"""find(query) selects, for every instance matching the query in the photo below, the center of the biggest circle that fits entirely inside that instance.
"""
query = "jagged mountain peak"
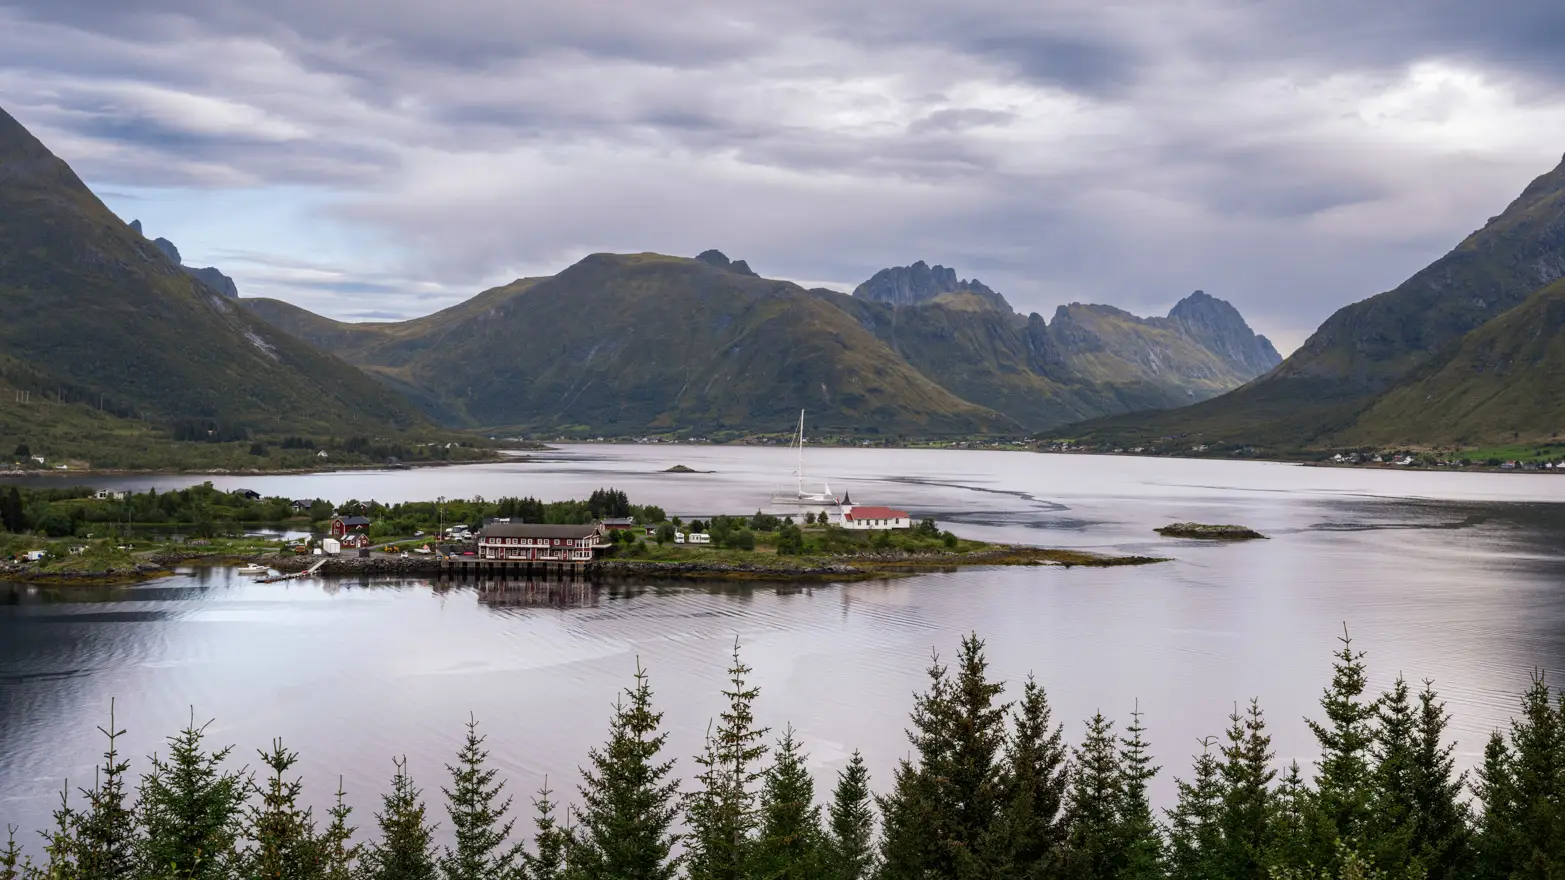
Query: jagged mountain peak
(921, 283)
(1218, 326)
(210, 276)
(715, 257)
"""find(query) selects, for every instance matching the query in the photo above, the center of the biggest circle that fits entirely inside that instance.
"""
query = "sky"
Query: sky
(377, 159)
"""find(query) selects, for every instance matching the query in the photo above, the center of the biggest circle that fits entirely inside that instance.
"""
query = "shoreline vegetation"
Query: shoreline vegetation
(95, 538)
(992, 787)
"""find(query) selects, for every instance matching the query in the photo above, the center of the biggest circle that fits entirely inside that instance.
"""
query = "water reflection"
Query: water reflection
(501, 594)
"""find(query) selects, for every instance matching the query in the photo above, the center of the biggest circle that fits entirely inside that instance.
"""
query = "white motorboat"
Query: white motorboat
(254, 569)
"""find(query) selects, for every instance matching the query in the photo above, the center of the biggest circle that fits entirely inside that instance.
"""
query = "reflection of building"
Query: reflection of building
(537, 594)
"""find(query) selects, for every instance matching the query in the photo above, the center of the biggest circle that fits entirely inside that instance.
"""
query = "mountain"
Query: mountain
(919, 283)
(209, 276)
(1217, 326)
(1090, 360)
(625, 344)
(93, 312)
(1502, 383)
(1353, 378)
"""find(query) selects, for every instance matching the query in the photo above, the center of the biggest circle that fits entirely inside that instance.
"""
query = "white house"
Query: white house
(867, 518)
(109, 495)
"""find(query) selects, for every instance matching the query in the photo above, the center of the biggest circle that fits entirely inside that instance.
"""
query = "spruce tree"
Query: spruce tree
(628, 803)
(1537, 774)
(1497, 844)
(911, 813)
(105, 831)
(1195, 835)
(284, 845)
(339, 853)
(1248, 810)
(1442, 840)
(1341, 805)
(12, 865)
(789, 846)
(944, 809)
(1290, 831)
(1093, 848)
(60, 847)
(850, 853)
(1029, 833)
(191, 811)
(1140, 842)
(550, 841)
(405, 850)
(1394, 815)
(478, 815)
(721, 813)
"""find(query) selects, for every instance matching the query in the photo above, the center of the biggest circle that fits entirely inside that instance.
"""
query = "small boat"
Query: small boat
(252, 568)
(802, 496)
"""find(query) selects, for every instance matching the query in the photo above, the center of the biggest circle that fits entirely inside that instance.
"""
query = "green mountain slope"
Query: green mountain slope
(98, 311)
(1504, 382)
(1321, 391)
(624, 344)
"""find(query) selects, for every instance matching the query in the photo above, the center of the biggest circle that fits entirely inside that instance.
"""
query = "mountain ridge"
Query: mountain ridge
(967, 366)
(89, 303)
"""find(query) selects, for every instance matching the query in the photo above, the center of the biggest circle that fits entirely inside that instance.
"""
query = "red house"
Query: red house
(342, 525)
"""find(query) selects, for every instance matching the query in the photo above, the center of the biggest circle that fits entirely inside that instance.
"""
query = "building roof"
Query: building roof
(862, 512)
(619, 520)
(354, 520)
(536, 530)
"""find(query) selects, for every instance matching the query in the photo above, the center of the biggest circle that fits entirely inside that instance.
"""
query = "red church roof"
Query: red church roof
(862, 512)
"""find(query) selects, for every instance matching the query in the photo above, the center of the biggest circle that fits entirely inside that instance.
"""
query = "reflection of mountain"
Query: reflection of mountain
(537, 594)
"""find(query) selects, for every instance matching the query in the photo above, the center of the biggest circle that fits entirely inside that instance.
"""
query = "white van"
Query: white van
(679, 537)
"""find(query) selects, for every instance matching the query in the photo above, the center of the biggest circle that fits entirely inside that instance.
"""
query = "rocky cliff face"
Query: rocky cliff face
(717, 258)
(1219, 328)
(210, 276)
(921, 283)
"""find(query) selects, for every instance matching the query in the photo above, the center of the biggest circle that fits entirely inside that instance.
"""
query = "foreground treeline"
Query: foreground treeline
(989, 789)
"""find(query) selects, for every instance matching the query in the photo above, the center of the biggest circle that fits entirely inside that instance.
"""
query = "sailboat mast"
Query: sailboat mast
(801, 452)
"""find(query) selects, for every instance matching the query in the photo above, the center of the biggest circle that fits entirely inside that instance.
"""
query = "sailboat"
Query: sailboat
(803, 496)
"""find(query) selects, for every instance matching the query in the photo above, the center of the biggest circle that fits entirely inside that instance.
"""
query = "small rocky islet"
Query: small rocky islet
(1205, 531)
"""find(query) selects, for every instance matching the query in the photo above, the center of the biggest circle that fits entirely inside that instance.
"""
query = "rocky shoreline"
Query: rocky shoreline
(847, 568)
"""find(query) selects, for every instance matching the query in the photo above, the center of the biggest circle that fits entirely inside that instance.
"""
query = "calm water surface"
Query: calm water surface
(1455, 577)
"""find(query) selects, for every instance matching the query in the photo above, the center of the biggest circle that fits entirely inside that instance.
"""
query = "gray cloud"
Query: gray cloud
(1289, 156)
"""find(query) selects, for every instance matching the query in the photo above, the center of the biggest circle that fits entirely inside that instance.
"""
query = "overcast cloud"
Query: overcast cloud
(382, 158)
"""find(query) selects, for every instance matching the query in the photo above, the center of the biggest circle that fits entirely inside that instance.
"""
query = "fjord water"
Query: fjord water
(1455, 577)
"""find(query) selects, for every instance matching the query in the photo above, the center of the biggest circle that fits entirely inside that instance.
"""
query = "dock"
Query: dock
(293, 575)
